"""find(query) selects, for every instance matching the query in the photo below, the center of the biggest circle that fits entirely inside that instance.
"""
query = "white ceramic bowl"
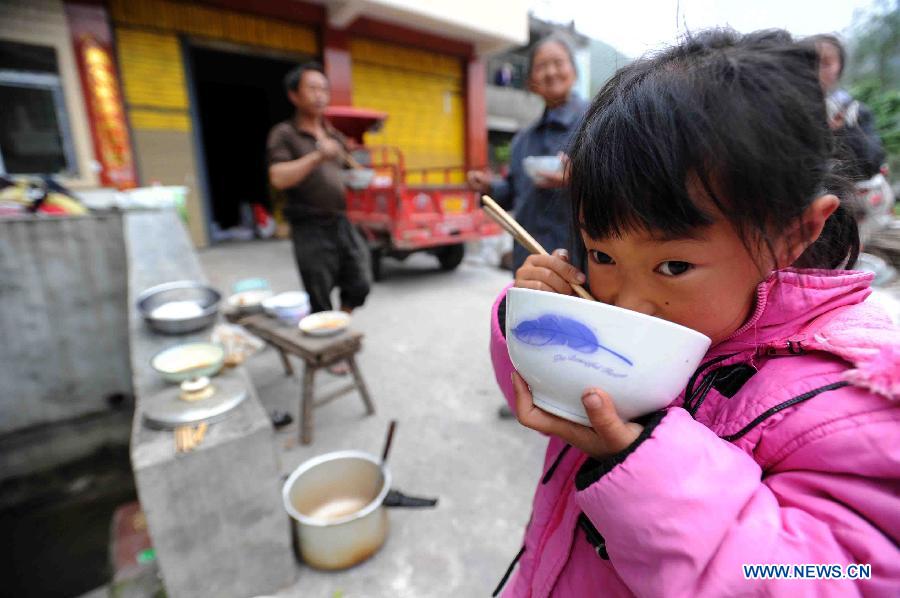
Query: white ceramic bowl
(358, 178)
(325, 323)
(290, 307)
(536, 165)
(563, 345)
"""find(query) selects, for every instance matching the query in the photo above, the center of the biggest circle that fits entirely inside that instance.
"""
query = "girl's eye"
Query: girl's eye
(673, 268)
(601, 258)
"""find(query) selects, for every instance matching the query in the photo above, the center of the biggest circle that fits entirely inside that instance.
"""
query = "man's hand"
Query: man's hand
(329, 148)
(479, 180)
(607, 435)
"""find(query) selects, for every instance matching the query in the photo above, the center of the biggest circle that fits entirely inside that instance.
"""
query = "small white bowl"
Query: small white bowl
(563, 345)
(290, 307)
(358, 178)
(536, 166)
(325, 323)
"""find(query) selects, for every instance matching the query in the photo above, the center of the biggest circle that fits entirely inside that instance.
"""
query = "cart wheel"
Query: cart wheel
(376, 254)
(451, 256)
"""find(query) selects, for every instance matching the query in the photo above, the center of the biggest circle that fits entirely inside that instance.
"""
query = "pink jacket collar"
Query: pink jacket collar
(789, 300)
(800, 311)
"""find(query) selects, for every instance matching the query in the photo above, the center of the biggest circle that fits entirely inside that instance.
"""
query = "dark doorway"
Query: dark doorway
(239, 98)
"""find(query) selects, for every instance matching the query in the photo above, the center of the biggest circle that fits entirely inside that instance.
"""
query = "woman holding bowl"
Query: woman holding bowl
(541, 204)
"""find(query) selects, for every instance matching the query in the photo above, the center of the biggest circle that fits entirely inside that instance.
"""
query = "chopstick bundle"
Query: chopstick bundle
(521, 235)
(187, 438)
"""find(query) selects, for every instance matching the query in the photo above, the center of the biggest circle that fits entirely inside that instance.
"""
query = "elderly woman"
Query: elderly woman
(852, 122)
(541, 207)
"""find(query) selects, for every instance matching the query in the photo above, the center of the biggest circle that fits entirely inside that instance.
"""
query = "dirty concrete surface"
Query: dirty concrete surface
(425, 360)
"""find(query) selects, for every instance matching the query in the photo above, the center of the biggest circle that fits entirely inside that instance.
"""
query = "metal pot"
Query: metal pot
(336, 501)
(181, 292)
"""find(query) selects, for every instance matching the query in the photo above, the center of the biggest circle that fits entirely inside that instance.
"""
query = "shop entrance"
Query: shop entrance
(238, 98)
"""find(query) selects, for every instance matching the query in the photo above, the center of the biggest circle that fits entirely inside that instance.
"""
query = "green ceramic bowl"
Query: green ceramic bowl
(190, 360)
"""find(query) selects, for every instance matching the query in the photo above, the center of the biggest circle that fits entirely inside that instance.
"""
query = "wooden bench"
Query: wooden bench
(317, 352)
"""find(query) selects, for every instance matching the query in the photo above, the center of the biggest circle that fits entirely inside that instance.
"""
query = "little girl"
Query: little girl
(702, 192)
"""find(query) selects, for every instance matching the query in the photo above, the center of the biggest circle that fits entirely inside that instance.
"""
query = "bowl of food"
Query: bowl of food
(179, 307)
(290, 307)
(190, 360)
(536, 167)
(249, 302)
(325, 323)
(563, 345)
(358, 178)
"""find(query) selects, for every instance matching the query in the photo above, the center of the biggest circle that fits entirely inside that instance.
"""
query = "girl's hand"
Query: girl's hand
(607, 435)
(551, 273)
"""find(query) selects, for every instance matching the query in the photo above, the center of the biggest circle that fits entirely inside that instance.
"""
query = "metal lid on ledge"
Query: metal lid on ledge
(169, 410)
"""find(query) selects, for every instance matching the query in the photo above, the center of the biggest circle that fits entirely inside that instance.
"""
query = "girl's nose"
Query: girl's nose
(632, 299)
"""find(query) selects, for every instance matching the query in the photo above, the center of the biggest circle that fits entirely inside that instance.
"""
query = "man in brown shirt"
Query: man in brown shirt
(305, 156)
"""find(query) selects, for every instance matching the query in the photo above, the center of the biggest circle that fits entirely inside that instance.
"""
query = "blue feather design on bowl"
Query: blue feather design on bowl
(553, 329)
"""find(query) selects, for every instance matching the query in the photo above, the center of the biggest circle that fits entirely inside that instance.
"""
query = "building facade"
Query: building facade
(122, 93)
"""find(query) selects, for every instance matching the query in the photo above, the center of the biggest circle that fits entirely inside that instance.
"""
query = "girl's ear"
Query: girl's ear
(807, 229)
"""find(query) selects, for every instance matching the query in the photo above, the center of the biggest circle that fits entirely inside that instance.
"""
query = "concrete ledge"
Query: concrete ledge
(214, 514)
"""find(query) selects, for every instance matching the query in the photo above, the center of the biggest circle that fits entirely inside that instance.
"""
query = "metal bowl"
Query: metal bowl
(180, 294)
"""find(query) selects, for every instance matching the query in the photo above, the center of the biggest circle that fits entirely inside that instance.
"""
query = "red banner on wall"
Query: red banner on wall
(100, 85)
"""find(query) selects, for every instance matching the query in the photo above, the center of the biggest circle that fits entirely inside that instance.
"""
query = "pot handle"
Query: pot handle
(395, 498)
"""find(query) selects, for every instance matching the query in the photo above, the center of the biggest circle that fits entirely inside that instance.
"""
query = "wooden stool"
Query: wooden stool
(316, 353)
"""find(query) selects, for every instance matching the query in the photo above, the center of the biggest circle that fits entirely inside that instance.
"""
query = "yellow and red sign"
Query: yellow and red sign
(110, 130)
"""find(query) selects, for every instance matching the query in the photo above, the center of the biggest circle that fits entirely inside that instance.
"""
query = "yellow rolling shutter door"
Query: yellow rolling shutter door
(422, 92)
(153, 79)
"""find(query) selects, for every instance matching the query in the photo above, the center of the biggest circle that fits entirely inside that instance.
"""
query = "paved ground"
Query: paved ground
(426, 361)
(427, 365)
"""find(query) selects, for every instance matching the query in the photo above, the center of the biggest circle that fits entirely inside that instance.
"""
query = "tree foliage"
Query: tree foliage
(872, 72)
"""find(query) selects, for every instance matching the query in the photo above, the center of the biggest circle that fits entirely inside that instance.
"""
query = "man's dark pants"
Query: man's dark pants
(330, 253)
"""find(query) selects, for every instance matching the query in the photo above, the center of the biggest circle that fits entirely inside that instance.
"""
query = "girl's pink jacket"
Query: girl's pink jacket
(784, 448)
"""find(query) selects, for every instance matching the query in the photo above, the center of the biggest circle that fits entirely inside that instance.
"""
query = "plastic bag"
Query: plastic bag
(238, 343)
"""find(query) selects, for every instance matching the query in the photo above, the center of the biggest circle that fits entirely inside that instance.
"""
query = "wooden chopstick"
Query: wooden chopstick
(349, 159)
(521, 235)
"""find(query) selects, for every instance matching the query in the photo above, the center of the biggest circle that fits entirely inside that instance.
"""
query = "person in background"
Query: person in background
(503, 77)
(305, 156)
(542, 208)
(858, 144)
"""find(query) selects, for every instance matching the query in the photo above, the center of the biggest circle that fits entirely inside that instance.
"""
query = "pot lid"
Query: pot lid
(168, 409)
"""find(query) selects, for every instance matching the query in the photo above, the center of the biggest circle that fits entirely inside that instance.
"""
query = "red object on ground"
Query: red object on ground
(353, 122)
(130, 540)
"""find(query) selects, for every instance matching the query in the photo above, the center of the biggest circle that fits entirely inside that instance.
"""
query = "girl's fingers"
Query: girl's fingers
(537, 419)
(615, 433)
(549, 278)
(553, 270)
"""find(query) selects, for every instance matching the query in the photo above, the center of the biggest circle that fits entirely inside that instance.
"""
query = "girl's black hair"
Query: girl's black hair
(738, 118)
